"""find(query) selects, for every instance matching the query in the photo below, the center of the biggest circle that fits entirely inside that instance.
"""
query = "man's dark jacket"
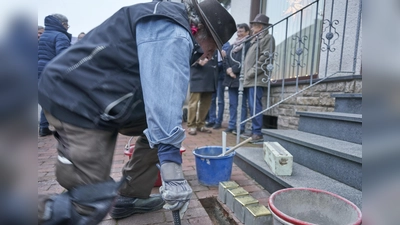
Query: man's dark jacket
(53, 41)
(204, 78)
(96, 82)
(236, 67)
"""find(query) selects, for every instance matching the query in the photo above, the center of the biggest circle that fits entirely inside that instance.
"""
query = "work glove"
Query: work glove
(175, 190)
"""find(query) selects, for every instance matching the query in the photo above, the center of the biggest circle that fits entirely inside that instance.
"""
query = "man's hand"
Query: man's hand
(175, 190)
(229, 70)
(203, 61)
(223, 53)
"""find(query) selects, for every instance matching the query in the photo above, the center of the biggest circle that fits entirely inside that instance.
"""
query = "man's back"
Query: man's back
(52, 42)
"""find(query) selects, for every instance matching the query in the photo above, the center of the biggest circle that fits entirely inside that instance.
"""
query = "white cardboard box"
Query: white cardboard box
(278, 159)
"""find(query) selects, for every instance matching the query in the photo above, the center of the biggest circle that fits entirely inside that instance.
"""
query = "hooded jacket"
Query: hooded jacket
(96, 82)
(53, 41)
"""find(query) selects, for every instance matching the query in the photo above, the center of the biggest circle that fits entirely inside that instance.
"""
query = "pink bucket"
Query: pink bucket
(307, 206)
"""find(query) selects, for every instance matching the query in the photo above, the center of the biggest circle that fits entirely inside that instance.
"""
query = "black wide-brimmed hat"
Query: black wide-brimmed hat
(261, 18)
(217, 20)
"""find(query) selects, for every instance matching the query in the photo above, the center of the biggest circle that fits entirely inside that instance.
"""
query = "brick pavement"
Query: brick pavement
(196, 214)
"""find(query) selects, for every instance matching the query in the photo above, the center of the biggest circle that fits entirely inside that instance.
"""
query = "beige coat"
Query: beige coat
(266, 46)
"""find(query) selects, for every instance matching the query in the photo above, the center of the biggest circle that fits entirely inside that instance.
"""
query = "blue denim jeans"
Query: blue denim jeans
(257, 122)
(164, 51)
(43, 121)
(233, 108)
(217, 96)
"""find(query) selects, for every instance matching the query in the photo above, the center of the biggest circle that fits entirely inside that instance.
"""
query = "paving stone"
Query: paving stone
(257, 215)
(232, 194)
(223, 187)
(240, 204)
(196, 214)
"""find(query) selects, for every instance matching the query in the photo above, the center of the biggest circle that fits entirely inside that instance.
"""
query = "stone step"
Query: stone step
(340, 160)
(342, 126)
(348, 103)
(251, 161)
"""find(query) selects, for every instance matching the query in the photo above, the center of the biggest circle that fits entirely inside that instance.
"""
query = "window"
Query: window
(296, 35)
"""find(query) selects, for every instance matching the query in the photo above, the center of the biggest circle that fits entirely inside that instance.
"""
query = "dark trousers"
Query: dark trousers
(217, 99)
(43, 121)
(85, 157)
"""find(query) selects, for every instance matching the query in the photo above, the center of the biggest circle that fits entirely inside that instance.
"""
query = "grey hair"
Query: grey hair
(194, 19)
(40, 27)
(60, 17)
(191, 12)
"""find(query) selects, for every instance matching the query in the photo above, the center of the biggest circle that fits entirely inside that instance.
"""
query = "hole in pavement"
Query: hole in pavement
(217, 213)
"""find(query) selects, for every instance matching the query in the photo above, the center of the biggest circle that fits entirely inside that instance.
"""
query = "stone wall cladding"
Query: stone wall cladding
(316, 99)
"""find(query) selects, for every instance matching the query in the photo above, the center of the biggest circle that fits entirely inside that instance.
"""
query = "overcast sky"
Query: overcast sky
(83, 15)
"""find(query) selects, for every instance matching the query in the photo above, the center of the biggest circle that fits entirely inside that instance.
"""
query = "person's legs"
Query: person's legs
(243, 114)
(192, 112)
(221, 104)
(233, 103)
(84, 155)
(255, 102)
(141, 170)
(83, 164)
(204, 106)
(210, 121)
(243, 108)
(141, 173)
(44, 125)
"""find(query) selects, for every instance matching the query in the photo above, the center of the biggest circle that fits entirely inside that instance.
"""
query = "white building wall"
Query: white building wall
(349, 34)
(240, 10)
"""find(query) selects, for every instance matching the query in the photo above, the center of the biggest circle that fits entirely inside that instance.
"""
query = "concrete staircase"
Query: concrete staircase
(326, 149)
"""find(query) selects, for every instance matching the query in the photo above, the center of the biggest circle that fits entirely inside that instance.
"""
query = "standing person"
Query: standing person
(128, 75)
(214, 118)
(54, 40)
(232, 76)
(254, 88)
(203, 83)
(40, 31)
(81, 35)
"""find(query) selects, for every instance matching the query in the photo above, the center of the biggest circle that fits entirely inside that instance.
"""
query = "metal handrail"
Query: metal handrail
(328, 42)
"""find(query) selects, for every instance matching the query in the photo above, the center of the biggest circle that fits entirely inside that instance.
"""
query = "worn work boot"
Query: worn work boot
(126, 206)
(45, 132)
(234, 132)
(209, 124)
(255, 138)
(217, 126)
(204, 129)
(229, 130)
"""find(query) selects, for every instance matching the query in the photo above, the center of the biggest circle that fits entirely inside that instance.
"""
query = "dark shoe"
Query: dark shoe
(229, 130)
(204, 129)
(234, 132)
(45, 132)
(255, 138)
(126, 206)
(217, 126)
(209, 124)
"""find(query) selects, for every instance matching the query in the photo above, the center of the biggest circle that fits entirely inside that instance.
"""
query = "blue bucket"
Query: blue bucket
(211, 168)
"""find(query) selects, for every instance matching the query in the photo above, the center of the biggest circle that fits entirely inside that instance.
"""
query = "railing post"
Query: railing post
(240, 96)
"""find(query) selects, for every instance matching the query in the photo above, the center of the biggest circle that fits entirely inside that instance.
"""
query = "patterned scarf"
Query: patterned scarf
(238, 45)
